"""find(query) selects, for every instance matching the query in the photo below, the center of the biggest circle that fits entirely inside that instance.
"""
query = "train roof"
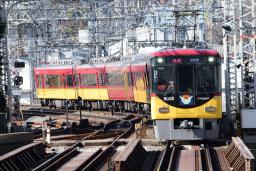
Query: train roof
(91, 65)
(137, 59)
(54, 67)
(185, 52)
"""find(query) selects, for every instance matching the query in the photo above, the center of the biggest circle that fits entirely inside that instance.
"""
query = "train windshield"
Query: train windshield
(186, 78)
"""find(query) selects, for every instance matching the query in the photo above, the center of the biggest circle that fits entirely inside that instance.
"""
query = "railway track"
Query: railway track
(86, 161)
(235, 157)
(23, 158)
(59, 112)
(44, 111)
(34, 157)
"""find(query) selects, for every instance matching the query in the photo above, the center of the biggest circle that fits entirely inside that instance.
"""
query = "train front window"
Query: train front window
(207, 79)
(164, 79)
(186, 78)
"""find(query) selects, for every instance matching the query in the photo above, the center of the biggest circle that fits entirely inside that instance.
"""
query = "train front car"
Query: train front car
(186, 94)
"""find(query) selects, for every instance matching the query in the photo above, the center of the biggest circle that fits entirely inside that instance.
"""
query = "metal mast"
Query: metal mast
(3, 67)
(247, 23)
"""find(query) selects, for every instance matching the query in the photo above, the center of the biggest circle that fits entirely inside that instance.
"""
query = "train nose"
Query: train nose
(189, 111)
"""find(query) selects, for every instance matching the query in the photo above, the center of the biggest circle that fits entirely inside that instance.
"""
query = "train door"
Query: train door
(186, 88)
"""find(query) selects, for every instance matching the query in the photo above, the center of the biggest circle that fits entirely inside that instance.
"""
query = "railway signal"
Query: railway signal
(18, 80)
(19, 64)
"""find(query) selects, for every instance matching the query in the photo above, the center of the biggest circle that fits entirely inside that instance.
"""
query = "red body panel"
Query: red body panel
(125, 92)
(56, 71)
(138, 68)
(89, 70)
(184, 52)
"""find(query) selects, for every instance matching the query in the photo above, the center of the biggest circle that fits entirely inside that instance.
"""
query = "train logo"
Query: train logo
(186, 99)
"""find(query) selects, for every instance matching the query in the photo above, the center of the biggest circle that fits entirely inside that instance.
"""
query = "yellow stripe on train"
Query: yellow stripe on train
(93, 93)
(73, 93)
(56, 93)
(170, 112)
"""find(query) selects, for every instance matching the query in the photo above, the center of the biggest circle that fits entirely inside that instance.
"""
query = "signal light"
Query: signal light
(2, 102)
(19, 64)
(18, 80)
(1, 60)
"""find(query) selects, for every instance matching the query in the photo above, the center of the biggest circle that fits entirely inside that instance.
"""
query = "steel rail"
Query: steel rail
(164, 156)
(64, 156)
(98, 161)
(70, 152)
(173, 157)
(208, 160)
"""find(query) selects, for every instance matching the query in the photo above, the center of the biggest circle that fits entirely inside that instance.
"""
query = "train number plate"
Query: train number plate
(169, 98)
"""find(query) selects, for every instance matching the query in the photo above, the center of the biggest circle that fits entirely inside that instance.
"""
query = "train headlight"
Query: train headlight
(211, 59)
(163, 110)
(160, 60)
(210, 109)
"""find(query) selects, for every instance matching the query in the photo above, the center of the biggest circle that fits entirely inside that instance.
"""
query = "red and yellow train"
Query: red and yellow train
(180, 87)
(123, 82)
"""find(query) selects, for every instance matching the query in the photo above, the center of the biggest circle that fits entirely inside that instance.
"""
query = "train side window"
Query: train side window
(69, 80)
(146, 80)
(139, 80)
(77, 82)
(39, 81)
(88, 80)
(115, 79)
(129, 78)
(53, 81)
(134, 78)
(102, 80)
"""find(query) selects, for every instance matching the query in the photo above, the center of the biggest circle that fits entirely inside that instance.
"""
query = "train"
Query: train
(180, 88)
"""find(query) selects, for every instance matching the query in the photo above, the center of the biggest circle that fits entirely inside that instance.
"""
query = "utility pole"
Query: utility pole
(4, 117)
(6, 76)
